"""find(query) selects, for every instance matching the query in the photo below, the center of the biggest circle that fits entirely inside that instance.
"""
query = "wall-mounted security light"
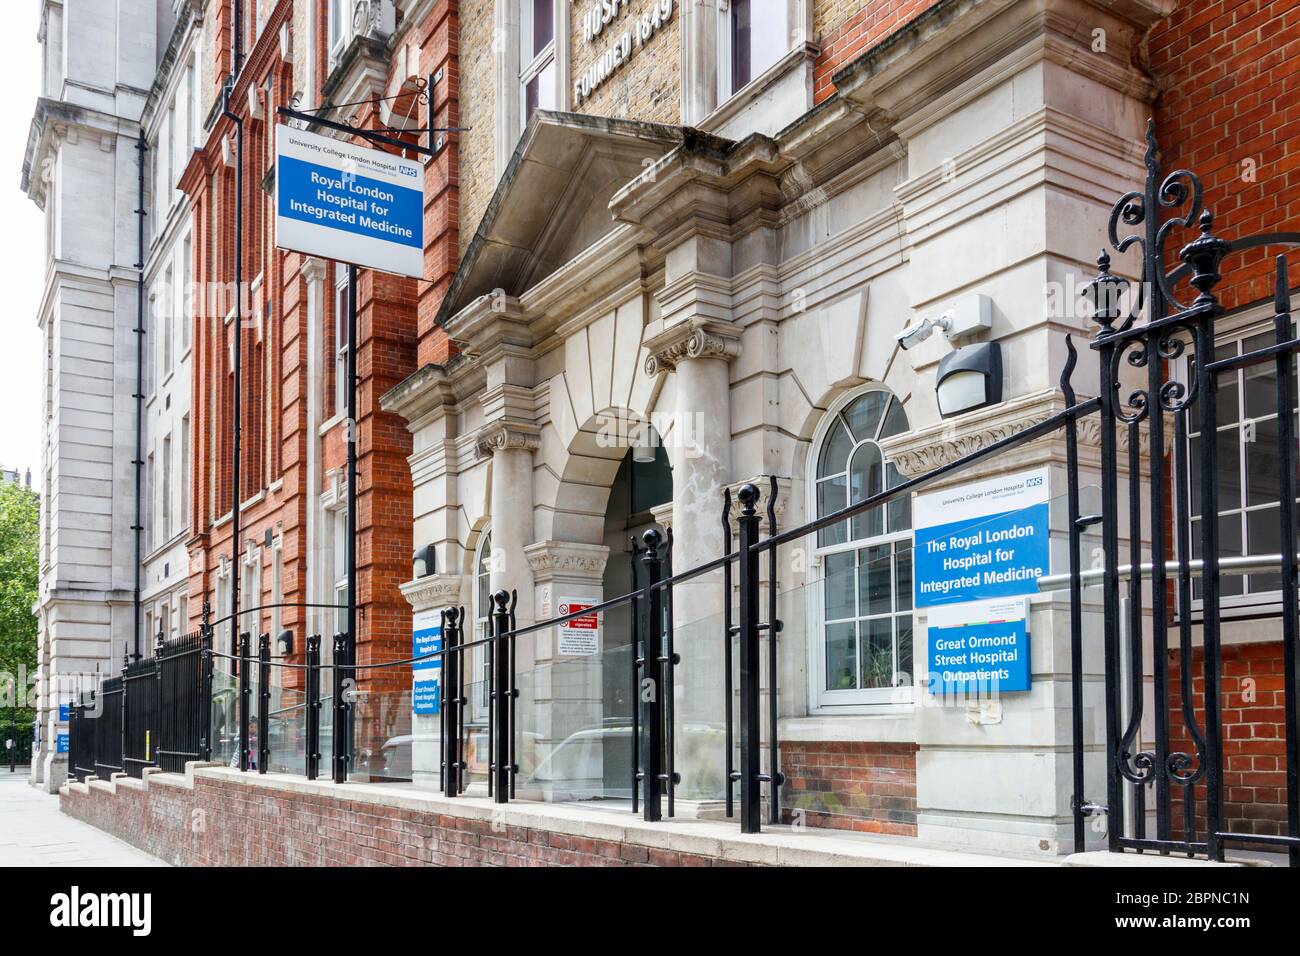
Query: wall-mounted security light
(424, 562)
(969, 378)
(284, 643)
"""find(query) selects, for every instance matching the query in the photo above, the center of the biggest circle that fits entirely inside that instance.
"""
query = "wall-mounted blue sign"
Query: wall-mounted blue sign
(987, 539)
(978, 649)
(426, 674)
(61, 742)
(64, 713)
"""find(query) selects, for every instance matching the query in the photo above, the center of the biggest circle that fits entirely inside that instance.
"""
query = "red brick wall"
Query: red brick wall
(851, 785)
(1254, 741)
(221, 823)
(853, 31)
(1228, 75)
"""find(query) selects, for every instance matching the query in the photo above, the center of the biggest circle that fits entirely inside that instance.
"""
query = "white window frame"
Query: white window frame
(340, 339)
(514, 74)
(858, 700)
(1254, 321)
(338, 29)
(482, 576)
(726, 87)
(540, 61)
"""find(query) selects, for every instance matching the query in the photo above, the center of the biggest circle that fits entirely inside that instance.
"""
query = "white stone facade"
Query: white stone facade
(101, 75)
(734, 292)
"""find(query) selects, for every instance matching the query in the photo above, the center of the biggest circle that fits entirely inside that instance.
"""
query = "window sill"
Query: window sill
(898, 726)
(748, 94)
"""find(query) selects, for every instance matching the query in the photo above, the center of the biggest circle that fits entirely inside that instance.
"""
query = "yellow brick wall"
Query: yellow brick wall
(648, 85)
(477, 111)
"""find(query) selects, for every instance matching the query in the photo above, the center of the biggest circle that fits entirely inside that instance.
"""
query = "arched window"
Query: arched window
(865, 610)
(482, 622)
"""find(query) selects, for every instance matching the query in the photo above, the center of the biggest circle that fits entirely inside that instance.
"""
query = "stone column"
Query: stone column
(430, 594)
(562, 695)
(699, 351)
(511, 445)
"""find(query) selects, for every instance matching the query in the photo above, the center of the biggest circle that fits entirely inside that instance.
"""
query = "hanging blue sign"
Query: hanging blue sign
(983, 540)
(348, 203)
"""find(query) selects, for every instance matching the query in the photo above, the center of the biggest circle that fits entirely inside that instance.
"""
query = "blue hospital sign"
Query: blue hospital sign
(348, 203)
(978, 649)
(426, 674)
(987, 539)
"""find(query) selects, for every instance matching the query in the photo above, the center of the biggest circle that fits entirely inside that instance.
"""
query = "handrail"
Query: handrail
(1245, 564)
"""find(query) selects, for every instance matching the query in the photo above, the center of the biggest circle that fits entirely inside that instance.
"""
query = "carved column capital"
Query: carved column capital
(502, 436)
(694, 338)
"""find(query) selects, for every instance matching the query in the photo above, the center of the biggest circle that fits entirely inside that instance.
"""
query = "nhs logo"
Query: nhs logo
(411, 171)
(1035, 482)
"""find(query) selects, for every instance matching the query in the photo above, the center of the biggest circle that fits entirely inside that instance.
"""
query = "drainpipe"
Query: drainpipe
(138, 526)
(237, 47)
(239, 337)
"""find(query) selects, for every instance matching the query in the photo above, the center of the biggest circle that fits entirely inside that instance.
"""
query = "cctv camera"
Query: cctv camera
(917, 333)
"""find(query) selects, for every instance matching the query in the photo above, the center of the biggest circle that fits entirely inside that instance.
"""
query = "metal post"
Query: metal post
(138, 527)
(341, 710)
(313, 706)
(237, 357)
(263, 702)
(651, 680)
(501, 769)
(351, 429)
(205, 703)
(634, 672)
(750, 662)
(727, 633)
(1076, 598)
(244, 693)
(451, 704)
(773, 688)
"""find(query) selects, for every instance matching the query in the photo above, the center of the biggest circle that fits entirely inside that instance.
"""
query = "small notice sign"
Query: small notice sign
(579, 637)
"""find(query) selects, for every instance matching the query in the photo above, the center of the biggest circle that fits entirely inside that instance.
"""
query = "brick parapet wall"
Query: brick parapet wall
(851, 785)
(214, 816)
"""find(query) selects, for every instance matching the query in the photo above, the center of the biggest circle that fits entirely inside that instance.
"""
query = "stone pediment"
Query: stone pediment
(553, 200)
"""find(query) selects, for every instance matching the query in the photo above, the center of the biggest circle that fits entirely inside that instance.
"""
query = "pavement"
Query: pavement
(34, 833)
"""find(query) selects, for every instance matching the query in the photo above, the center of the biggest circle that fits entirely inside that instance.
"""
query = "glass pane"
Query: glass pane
(832, 495)
(895, 420)
(866, 478)
(878, 653)
(1194, 475)
(874, 580)
(1263, 472)
(903, 577)
(839, 586)
(835, 451)
(1227, 404)
(543, 24)
(1229, 546)
(1264, 536)
(1261, 380)
(864, 414)
(905, 670)
(841, 656)
(1228, 467)
(900, 509)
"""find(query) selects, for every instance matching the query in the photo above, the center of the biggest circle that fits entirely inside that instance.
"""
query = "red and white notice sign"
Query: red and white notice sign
(579, 637)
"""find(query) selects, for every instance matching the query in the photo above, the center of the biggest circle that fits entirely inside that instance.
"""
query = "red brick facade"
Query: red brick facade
(851, 785)
(396, 333)
(1228, 108)
(847, 39)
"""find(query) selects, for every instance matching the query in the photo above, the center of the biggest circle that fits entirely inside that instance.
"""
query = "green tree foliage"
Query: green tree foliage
(19, 560)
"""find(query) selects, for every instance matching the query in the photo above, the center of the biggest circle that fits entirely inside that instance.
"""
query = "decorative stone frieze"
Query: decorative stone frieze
(434, 591)
(691, 339)
(933, 446)
(551, 560)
